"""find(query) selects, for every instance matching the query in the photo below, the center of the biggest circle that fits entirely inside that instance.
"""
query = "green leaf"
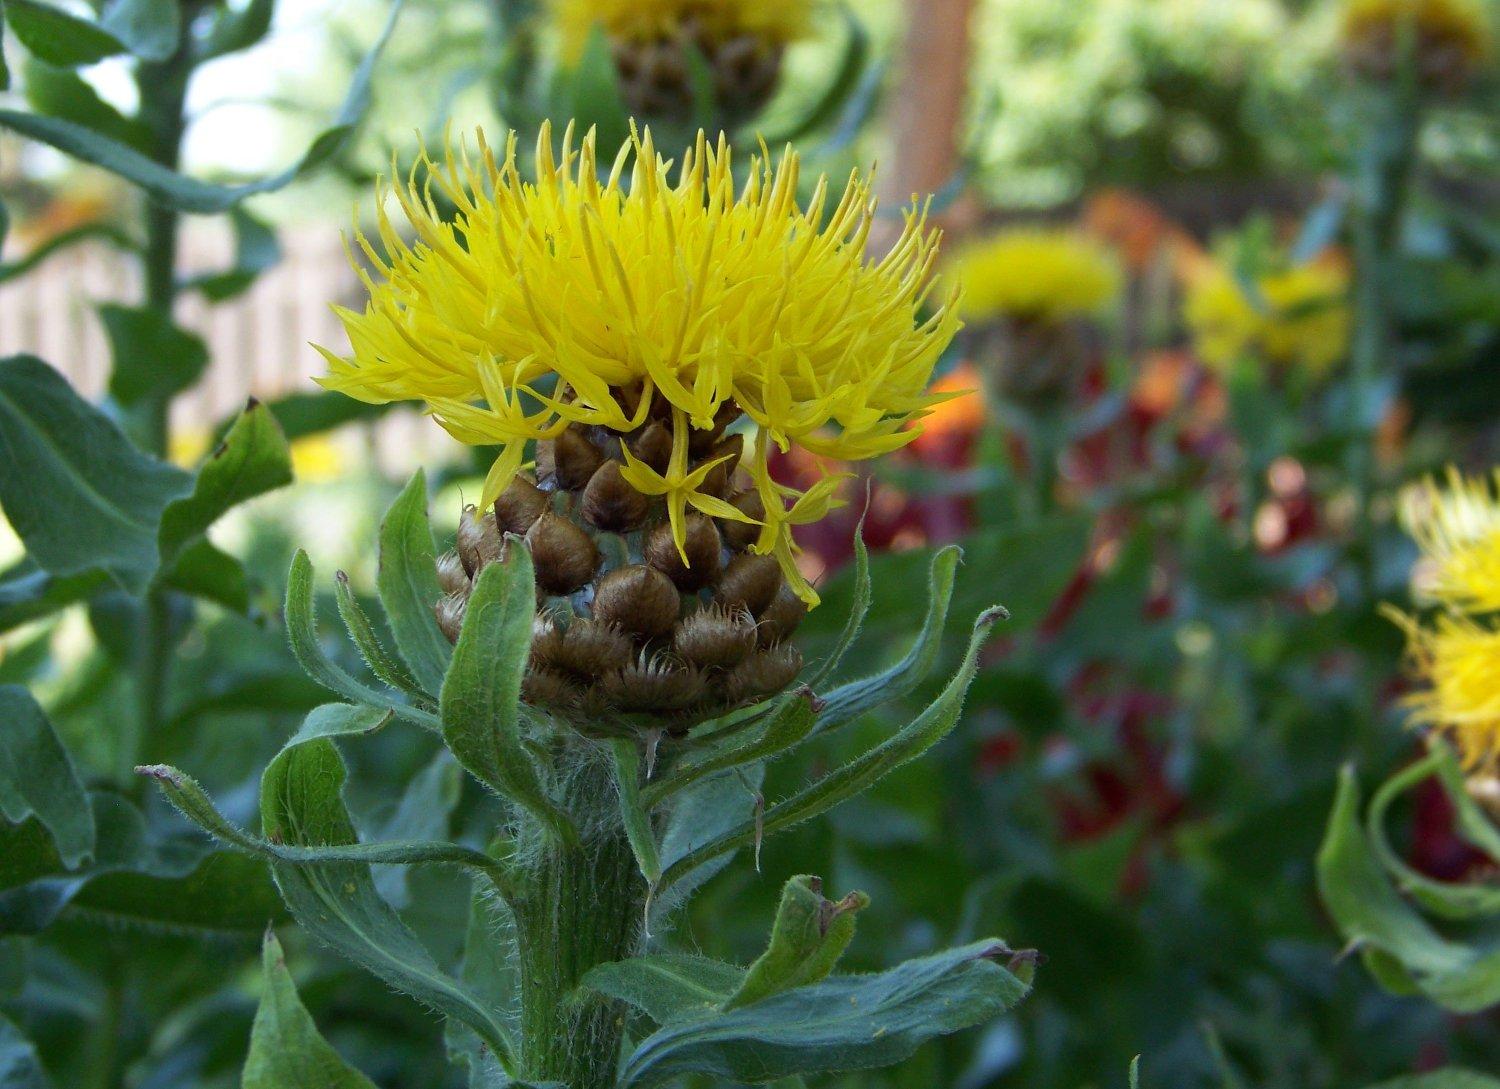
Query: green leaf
(668, 987)
(149, 28)
(75, 490)
(592, 91)
(789, 721)
(20, 1066)
(626, 767)
(302, 414)
(390, 669)
(152, 356)
(9, 270)
(4, 86)
(177, 190)
(205, 571)
(808, 937)
(911, 741)
(703, 814)
(253, 459)
(481, 696)
(28, 594)
(845, 81)
(256, 249)
(58, 37)
(303, 638)
(843, 1023)
(238, 28)
(37, 778)
(489, 971)
(286, 1050)
(849, 701)
(409, 587)
(336, 902)
(859, 605)
(61, 92)
(1398, 945)
(1448, 1078)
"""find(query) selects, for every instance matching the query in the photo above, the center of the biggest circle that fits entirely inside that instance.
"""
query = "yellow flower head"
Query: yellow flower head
(778, 22)
(1036, 273)
(1458, 530)
(1459, 26)
(605, 304)
(1296, 317)
(1460, 660)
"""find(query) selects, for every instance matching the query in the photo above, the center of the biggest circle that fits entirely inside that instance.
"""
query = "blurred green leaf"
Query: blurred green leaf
(853, 59)
(204, 570)
(286, 1050)
(237, 28)
(256, 249)
(37, 777)
(407, 578)
(591, 91)
(9, 270)
(59, 37)
(177, 190)
(28, 593)
(148, 28)
(152, 355)
(302, 414)
(76, 492)
(20, 1066)
(62, 92)
(1449, 1078)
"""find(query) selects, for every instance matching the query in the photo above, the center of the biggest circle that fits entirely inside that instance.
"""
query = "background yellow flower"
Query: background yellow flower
(773, 21)
(1036, 273)
(1295, 317)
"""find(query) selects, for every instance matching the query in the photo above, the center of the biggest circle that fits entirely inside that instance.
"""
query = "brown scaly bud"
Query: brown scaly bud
(720, 479)
(478, 541)
(520, 505)
(449, 611)
(639, 599)
(701, 442)
(764, 673)
(654, 685)
(750, 581)
(548, 688)
(611, 504)
(546, 642)
(653, 445)
(591, 648)
(715, 637)
(451, 574)
(780, 618)
(565, 556)
(702, 545)
(741, 535)
(568, 460)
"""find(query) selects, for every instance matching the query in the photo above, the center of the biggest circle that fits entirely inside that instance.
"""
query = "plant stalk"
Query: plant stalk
(580, 907)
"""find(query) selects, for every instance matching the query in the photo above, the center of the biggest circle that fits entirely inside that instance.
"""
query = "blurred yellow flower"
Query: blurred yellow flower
(661, 302)
(1042, 274)
(1299, 319)
(1460, 661)
(778, 22)
(1459, 27)
(1458, 529)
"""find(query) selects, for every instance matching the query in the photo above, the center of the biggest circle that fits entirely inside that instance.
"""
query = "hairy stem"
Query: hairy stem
(580, 907)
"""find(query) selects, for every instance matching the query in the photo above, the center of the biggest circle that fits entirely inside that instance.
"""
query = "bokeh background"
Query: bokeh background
(1181, 480)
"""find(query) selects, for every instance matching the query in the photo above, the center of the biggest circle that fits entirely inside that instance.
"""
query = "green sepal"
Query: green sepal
(808, 937)
(408, 584)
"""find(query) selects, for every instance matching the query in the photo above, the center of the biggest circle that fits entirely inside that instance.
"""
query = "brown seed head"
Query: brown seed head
(610, 504)
(451, 574)
(654, 685)
(449, 611)
(654, 445)
(720, 479)
(741, 535)
(549, 688)
(478, 540)
(702, 546)
(520, 505)
(715, 637)
(639, 599)
(565, 556)
(546, 641)
(780, 618)
(572, 458)
(592, 648)
(701, 442)
(750, 581)
(764, 673)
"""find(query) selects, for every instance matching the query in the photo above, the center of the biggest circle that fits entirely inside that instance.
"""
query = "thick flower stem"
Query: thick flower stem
(581, 907)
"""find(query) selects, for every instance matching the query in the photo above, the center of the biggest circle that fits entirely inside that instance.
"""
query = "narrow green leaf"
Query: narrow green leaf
(390, 669)
(256, 249)
(808, 937)
(858, 607)
(20, 1066)
(152, 355)
(59, 37)
(668, 987)
(286, 1050)
(37, 778)
(789, 722)
(627, 772)
(252, 459)
(4, 86)
(28, 594)
(75, 490)
(849, 701)
(911, 741)
(408, 584)
(336, 902)
(843, 1023)
(177, 190)
(840, 88)
(302, 636)
(592, 91)
(239, 28)
(148, 28)
(481, 696)
(107, 232)
(206, 571)
(302, 414)
(489, 971)
(701, 815)
(62, 92)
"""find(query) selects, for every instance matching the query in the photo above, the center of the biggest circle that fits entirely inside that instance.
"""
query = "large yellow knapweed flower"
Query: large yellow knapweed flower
(1458, 529)
(1458, 29)
(1460, 661)
(665, 304)
(1036, 274)
(1295, 317)
(775, 22)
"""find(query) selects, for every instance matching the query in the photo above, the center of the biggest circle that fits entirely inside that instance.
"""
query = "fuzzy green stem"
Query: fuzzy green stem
(581, 907)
